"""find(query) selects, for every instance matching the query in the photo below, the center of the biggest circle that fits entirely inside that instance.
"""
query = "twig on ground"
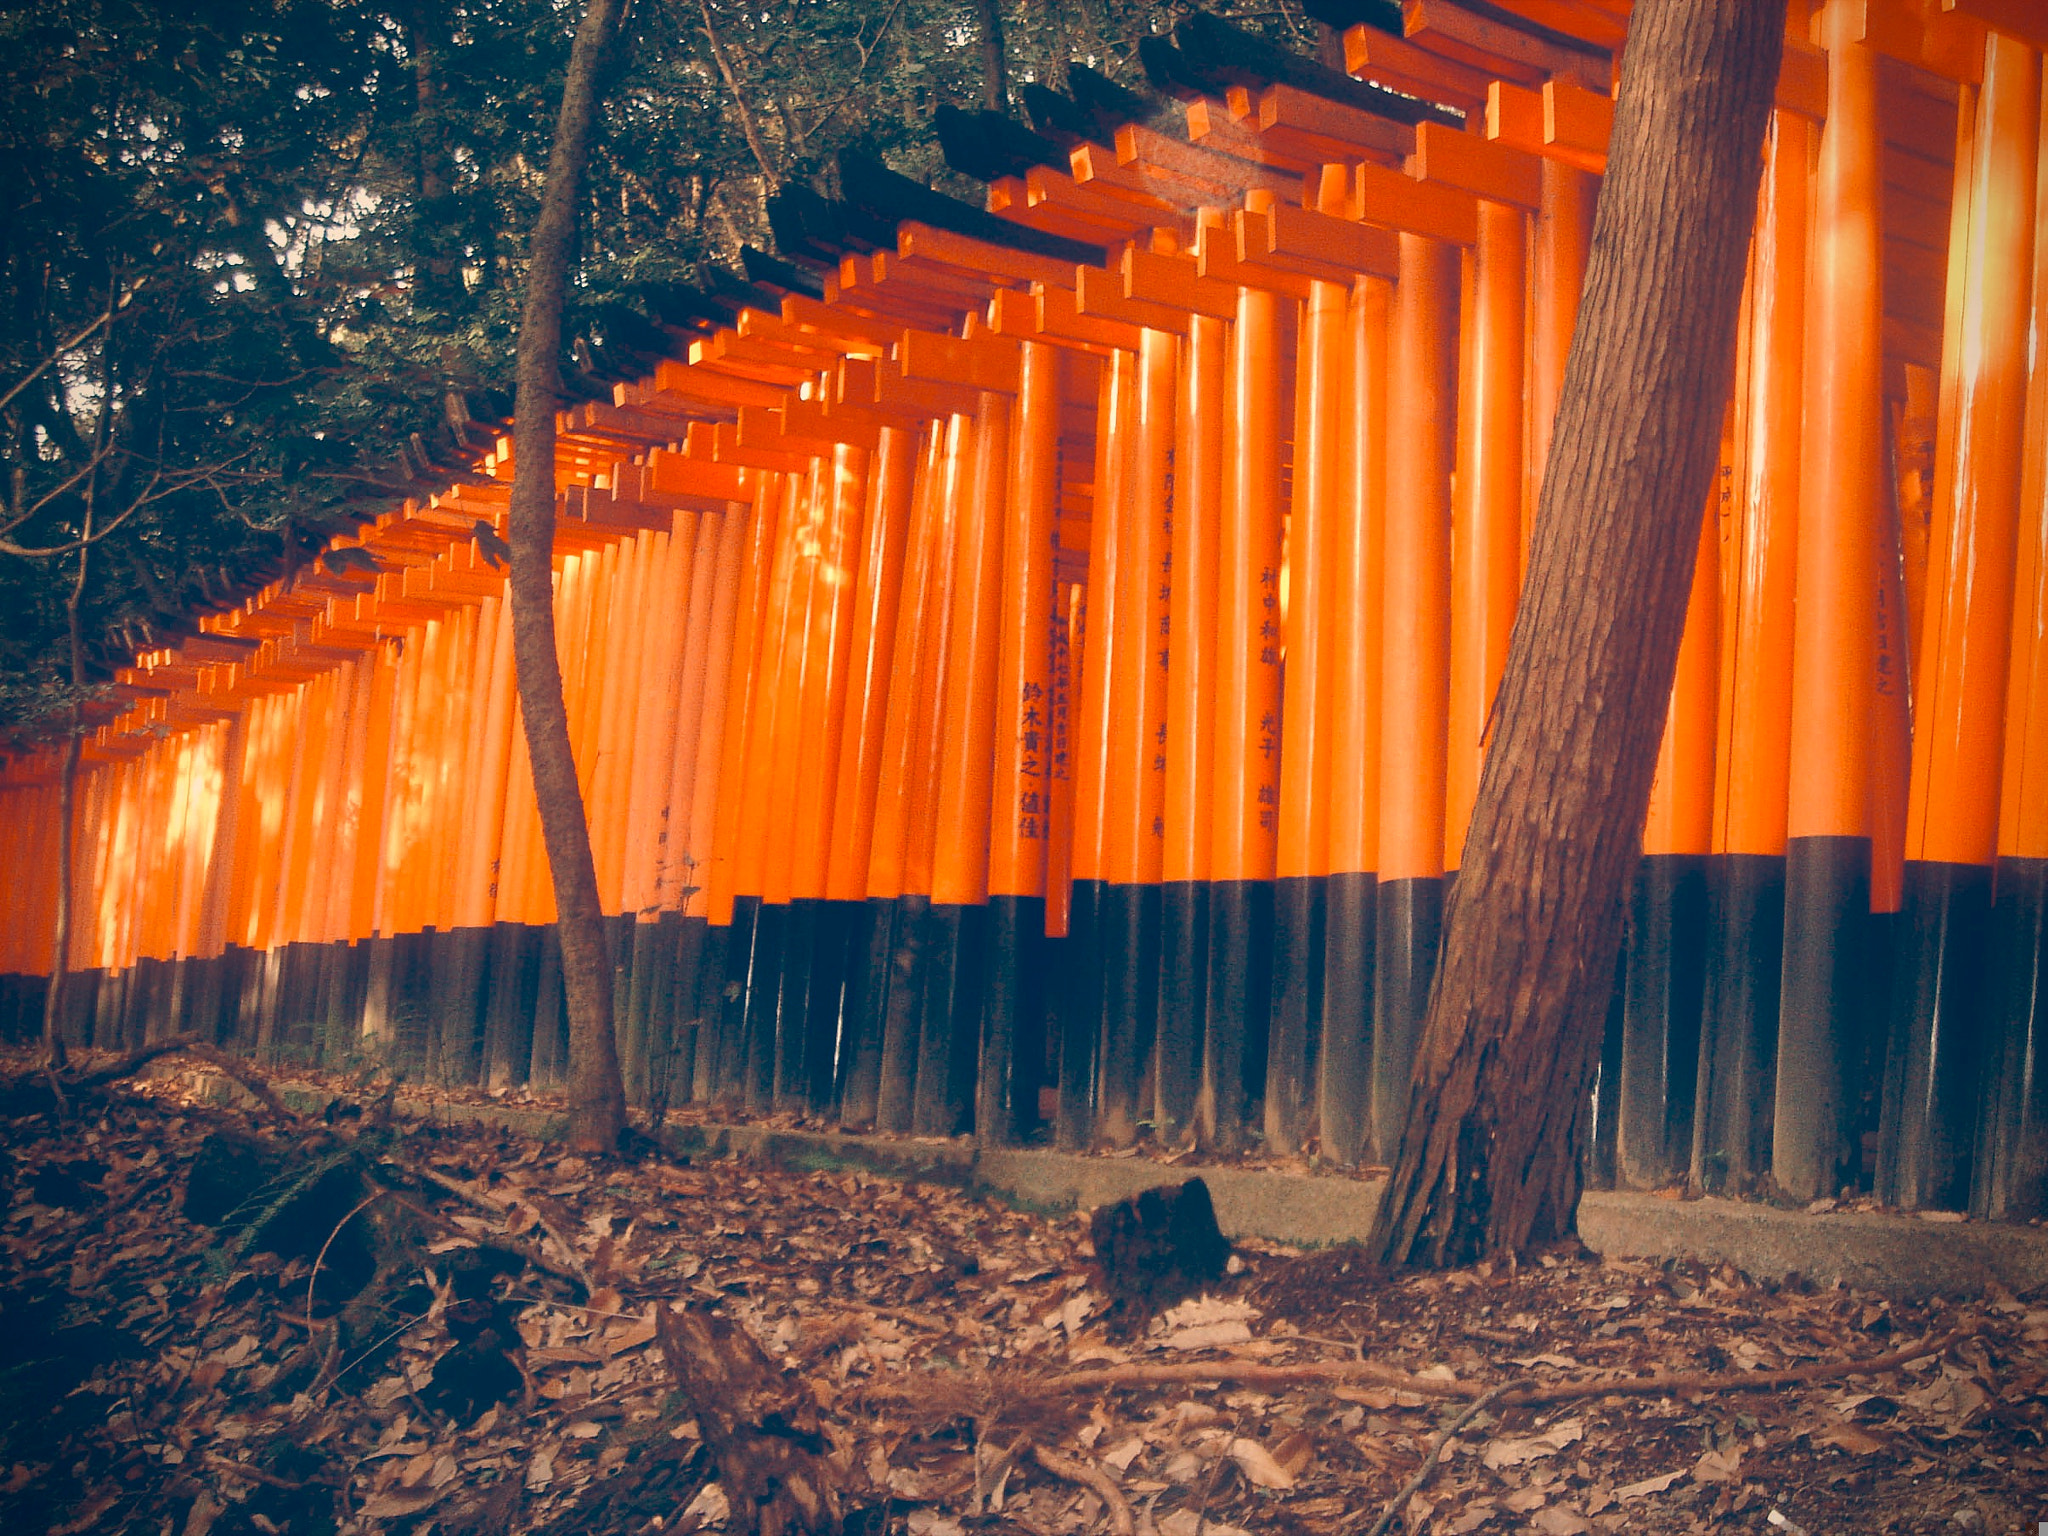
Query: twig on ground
(1096, 1481)
(1413, 1486)
(314, 1278)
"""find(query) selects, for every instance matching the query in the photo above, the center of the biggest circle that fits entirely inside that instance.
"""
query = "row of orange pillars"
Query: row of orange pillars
(1029, 666)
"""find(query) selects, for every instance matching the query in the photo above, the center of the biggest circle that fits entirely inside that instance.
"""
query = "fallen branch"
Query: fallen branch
(191, 1045)
(530, 1253)
(1316, 1371)
(1413, 1486)
(122, 1066)
(482, 1201)
(1096, 1481)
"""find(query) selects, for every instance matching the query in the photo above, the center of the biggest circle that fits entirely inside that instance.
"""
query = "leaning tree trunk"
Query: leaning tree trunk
(597, 1099)
(1489, 1160)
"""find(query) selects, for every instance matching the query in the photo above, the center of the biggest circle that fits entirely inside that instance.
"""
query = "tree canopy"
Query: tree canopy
(262, 259)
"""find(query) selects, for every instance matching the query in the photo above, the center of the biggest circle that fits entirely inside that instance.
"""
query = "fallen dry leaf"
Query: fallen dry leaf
(1258, 1465)
(1649, 1485)
(1513, 1453)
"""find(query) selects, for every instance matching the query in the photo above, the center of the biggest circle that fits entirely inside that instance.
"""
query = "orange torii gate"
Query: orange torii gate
(1030, 665)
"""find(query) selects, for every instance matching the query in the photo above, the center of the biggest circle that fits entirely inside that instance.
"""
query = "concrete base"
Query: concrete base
(1904, 1256)
(1899, 1255)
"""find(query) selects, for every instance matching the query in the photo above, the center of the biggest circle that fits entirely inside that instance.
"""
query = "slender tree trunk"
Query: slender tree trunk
(995, 74)
(67, 801)
(771, 180)
(597, 1100)
(1490, 1158)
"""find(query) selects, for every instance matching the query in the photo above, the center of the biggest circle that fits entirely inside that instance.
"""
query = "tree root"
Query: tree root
(257, 1085)
(1318, 1371)
(1095, 1480)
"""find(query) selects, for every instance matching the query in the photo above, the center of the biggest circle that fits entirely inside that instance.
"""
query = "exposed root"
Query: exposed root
(1312, 1372)
(191, 1045)
(1096, 1481)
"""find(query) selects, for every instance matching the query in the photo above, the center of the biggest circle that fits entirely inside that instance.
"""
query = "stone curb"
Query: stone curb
(1897, 1255)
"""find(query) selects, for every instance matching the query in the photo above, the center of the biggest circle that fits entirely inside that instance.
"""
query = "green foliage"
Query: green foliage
(300, 226)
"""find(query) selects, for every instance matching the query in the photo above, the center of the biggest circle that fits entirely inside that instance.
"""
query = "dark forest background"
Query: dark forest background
(262, 261)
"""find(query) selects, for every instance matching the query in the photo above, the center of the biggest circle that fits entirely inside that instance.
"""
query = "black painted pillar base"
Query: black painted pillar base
(1012, 1022)
(509, 1010)
(903, 1020)
(870, 948)
(550, 1064)
(825, 1013)
(1344, 1079)
(790, 1088)
(1297, 1018)
(1080, 1016)
(635, 959)
(1824, 1005)
(1664, 969)
(763, 992)
(1408, 918)
(949, 1033)
(1180, 1021)
(2012, 1162)
(722, 955)
(1237, 1010)
(461, 981)
(1128, 930)
(683, 1021)
(1600, 1162)
(1933, 1067)
(1738, 1064)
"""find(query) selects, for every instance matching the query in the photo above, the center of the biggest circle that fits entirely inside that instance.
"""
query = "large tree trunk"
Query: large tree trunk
(1490, 1158)
(597, 1100)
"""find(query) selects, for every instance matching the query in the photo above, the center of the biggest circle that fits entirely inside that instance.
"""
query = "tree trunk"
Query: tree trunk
(597, 1100)
(995, 74)
(1489, 1161)
(67, 802)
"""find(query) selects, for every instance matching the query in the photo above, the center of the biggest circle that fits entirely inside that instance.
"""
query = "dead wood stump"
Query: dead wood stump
(760, 1427)
(1157, 1247)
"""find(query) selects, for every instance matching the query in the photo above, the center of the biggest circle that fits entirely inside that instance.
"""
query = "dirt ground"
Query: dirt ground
(187, 1377)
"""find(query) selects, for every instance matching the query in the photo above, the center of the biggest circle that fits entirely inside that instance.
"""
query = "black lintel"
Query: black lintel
(1219, 55)
(988, 145)
(882, 192)
(771, 272)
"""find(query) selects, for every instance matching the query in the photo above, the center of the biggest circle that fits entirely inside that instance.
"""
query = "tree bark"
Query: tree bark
(761, 1427)
(597, 1100)
(1489, 1161)
(67, 802)
(995, 74)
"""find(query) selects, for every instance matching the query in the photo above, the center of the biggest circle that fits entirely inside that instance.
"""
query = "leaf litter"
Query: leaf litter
(158, 1375)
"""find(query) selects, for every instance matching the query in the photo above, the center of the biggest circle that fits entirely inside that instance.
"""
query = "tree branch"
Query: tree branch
(739, 101)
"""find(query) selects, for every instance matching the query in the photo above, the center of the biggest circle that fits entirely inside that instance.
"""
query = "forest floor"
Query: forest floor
(469, 1347)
